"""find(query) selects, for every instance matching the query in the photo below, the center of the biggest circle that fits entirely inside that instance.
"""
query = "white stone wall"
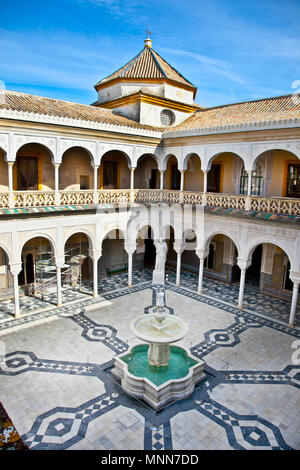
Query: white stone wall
(150, 114)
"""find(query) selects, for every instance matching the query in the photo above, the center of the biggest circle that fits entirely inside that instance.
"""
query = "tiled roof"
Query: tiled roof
(147, 64)
(249, 112)
(15, 101)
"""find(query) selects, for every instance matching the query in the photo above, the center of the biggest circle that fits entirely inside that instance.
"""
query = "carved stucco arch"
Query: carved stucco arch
(153, 155)
(211, 235)
(165, 158)
(38, 234)
(48, 143)
(210, 156)
(76, 231)
(89, 147)
(288, 250)
(126, 151)
(184, 163)
(258, 152)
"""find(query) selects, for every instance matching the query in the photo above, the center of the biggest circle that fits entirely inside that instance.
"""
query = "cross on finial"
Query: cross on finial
(148, 32)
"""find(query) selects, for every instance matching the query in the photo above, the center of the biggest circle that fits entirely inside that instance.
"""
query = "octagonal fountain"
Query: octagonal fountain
(158, 372)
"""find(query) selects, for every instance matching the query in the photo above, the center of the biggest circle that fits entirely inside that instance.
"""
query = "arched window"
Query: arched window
(257, 181)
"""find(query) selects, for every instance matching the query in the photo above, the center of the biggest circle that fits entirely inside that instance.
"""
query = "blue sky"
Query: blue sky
(231, 50)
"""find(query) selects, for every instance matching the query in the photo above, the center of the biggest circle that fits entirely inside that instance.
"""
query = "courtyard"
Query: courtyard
(56, 383)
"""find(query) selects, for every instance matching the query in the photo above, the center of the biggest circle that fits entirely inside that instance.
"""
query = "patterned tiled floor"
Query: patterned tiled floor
(57, 387)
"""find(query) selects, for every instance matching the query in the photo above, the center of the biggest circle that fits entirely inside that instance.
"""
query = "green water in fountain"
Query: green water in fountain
(178, 367)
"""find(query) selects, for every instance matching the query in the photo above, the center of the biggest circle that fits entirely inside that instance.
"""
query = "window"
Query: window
(214, 179)
(167, 117)
(293, 180)
(110, 175)
(27, 168)
(257, 181)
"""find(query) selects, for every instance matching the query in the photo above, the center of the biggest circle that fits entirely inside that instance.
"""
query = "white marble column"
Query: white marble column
(95, 278)
(95, 255)
(294, 304)
(205, 181)
(130, 269)
(16, 296)
(201, 255)
(161, 185)
(178, 268)
(130, 249)
(132, 178)
(132, 184)
(249, 182)
(56, 183)
(58, 286)
(182, 172)
(11, 201)
(15, 270)
(96, 168)
(243, 265)
(204, 195)
(242, 287)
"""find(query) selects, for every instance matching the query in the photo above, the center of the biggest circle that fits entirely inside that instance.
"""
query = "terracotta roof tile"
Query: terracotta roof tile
(48, 106)
(147, 64)
(249, 112)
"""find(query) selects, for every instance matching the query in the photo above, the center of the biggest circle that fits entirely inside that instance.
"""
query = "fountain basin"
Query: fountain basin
(158, 385)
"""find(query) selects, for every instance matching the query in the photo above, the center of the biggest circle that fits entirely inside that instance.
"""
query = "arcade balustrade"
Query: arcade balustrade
(278, 205)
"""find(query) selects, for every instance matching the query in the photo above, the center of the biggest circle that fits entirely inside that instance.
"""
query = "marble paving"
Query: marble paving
(57, 387)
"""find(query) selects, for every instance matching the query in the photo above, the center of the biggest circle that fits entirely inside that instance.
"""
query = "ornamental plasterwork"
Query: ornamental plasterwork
(20, 140)
(66, 144)
(107, 147)
(290, 146)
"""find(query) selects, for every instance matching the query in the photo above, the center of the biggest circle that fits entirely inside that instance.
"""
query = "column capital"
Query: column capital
(56, 164)
(202, 254)
(178, 247)
(10, 163)
(15, 269)
(130, 249)
(95, 254)
(243, 263)
(295, 277)
(96, 167)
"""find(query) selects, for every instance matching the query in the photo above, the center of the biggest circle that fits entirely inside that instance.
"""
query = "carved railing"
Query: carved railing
(33, 198)
(76, 197)
(148, 195)
(4, 200)
(191, 197)
(225, 200)
(276, 205)
(113, 196)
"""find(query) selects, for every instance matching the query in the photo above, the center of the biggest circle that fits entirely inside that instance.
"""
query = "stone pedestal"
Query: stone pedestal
(159, 354)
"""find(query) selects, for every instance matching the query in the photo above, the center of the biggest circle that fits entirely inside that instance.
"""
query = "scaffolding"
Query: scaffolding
(45, 274)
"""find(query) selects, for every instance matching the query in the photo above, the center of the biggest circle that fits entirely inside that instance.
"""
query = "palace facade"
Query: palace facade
(73, 178)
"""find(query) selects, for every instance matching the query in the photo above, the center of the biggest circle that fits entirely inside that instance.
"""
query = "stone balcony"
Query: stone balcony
(276, 205)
